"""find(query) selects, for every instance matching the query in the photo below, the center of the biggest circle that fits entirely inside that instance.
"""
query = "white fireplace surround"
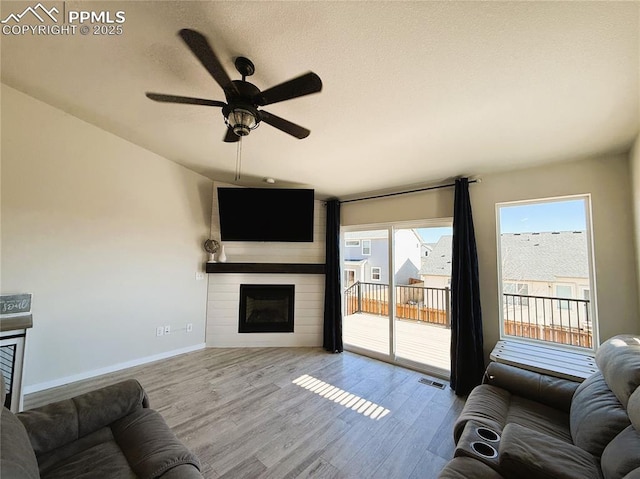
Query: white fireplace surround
(224, 306)
(223, 297)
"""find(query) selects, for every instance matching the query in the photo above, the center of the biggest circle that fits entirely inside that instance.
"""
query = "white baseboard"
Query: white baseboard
(109, 369)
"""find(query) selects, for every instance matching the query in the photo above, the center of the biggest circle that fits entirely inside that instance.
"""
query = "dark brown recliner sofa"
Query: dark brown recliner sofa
(106, 433)
(521, 424)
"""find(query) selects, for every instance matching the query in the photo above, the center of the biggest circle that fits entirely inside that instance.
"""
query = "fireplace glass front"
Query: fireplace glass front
(266, 308)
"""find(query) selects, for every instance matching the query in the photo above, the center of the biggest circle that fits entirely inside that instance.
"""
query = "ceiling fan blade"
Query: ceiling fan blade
(230, 136)
(200, 47)
(184, 99)
(284, 125)
(300, 86)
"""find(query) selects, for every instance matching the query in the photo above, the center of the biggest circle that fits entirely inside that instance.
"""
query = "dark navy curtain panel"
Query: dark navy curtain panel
(467, 356)
(332, 290)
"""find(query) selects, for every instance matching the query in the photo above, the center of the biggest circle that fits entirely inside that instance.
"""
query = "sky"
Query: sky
(566, 215)
(432, 235)
(543, 217)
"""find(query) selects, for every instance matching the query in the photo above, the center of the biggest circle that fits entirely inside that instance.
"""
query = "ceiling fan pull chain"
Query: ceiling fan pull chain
(238, 159)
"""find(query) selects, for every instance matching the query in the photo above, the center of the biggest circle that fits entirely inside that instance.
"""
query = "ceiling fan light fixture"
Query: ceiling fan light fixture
(241, 121)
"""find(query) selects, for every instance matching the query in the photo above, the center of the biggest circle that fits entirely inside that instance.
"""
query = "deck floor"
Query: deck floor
(418, 342)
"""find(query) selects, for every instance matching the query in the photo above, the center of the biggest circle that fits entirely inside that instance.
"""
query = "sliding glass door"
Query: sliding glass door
(422, 282)
(365, 323)
(397, 294)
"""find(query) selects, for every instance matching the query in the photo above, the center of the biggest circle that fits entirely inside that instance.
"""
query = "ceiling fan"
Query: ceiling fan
(241, 111)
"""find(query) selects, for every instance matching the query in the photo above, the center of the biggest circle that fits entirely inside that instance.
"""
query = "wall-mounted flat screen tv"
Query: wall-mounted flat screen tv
(266, 214)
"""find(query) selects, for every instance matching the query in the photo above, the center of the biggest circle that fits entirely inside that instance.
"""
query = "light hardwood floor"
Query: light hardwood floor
(420, 342)
(295, 413)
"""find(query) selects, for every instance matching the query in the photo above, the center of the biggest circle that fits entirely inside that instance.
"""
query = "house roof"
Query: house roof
(438, 263)
(544, 256)
(525, 256)
(355, 262)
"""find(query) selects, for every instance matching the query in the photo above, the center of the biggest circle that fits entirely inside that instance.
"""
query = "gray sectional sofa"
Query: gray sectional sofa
(521, 424)
(107, 433)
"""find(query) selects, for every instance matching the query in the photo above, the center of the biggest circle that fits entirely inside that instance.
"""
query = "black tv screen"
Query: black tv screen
(266, 214)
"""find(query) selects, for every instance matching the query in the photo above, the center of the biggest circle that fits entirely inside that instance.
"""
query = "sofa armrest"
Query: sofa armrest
(466, 467)
(54, 425)
(183, 471)
(16, 454)
(524, 452)
(149, 445)
(549, 390)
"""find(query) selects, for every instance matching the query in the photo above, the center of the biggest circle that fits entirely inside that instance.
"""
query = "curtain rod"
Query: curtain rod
(427, 188)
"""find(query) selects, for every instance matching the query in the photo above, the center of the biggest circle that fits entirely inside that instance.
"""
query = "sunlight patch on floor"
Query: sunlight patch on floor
(344, 398)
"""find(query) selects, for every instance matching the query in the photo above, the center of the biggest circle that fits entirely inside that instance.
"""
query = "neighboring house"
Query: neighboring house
(546, 264)
(408, 257)
(549, 265)
(366, 256)
(435, 271)
(426, 249)
(536, 263)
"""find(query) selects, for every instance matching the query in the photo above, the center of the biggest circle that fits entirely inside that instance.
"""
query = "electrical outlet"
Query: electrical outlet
(189, 327)
(199, 276)
(159, 331)
(167, 329)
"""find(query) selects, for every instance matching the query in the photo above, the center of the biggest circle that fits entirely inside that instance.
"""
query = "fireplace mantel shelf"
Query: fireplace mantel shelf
(295, 268)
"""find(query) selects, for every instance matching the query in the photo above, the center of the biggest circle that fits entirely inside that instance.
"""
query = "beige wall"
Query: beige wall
(415, 206)
(606, 179)
(108, 238)
(634, 160)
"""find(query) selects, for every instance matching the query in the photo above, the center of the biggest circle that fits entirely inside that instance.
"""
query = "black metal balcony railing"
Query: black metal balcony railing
(429, 305)
(552, 319)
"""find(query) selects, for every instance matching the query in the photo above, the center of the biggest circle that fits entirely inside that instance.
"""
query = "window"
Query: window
(563, 291)
(517, 290)
(352, 243)
(376, 273)
(545, 271)
(366, 247)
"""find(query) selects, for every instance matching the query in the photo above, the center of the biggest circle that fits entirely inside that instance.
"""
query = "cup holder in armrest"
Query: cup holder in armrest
(488, 434)
(485, 450)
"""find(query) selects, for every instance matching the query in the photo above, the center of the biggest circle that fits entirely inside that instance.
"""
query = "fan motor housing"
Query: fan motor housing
(241, 104)
(246, 92)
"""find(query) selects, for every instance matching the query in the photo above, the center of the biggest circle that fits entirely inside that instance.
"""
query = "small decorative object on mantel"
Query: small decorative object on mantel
(211, 246)
(222, 257)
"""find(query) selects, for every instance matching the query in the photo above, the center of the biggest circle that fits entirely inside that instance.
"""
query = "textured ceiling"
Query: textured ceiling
(414, 92)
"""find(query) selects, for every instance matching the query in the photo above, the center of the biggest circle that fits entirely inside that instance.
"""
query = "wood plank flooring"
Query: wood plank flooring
(423, 343)
(279, 413)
